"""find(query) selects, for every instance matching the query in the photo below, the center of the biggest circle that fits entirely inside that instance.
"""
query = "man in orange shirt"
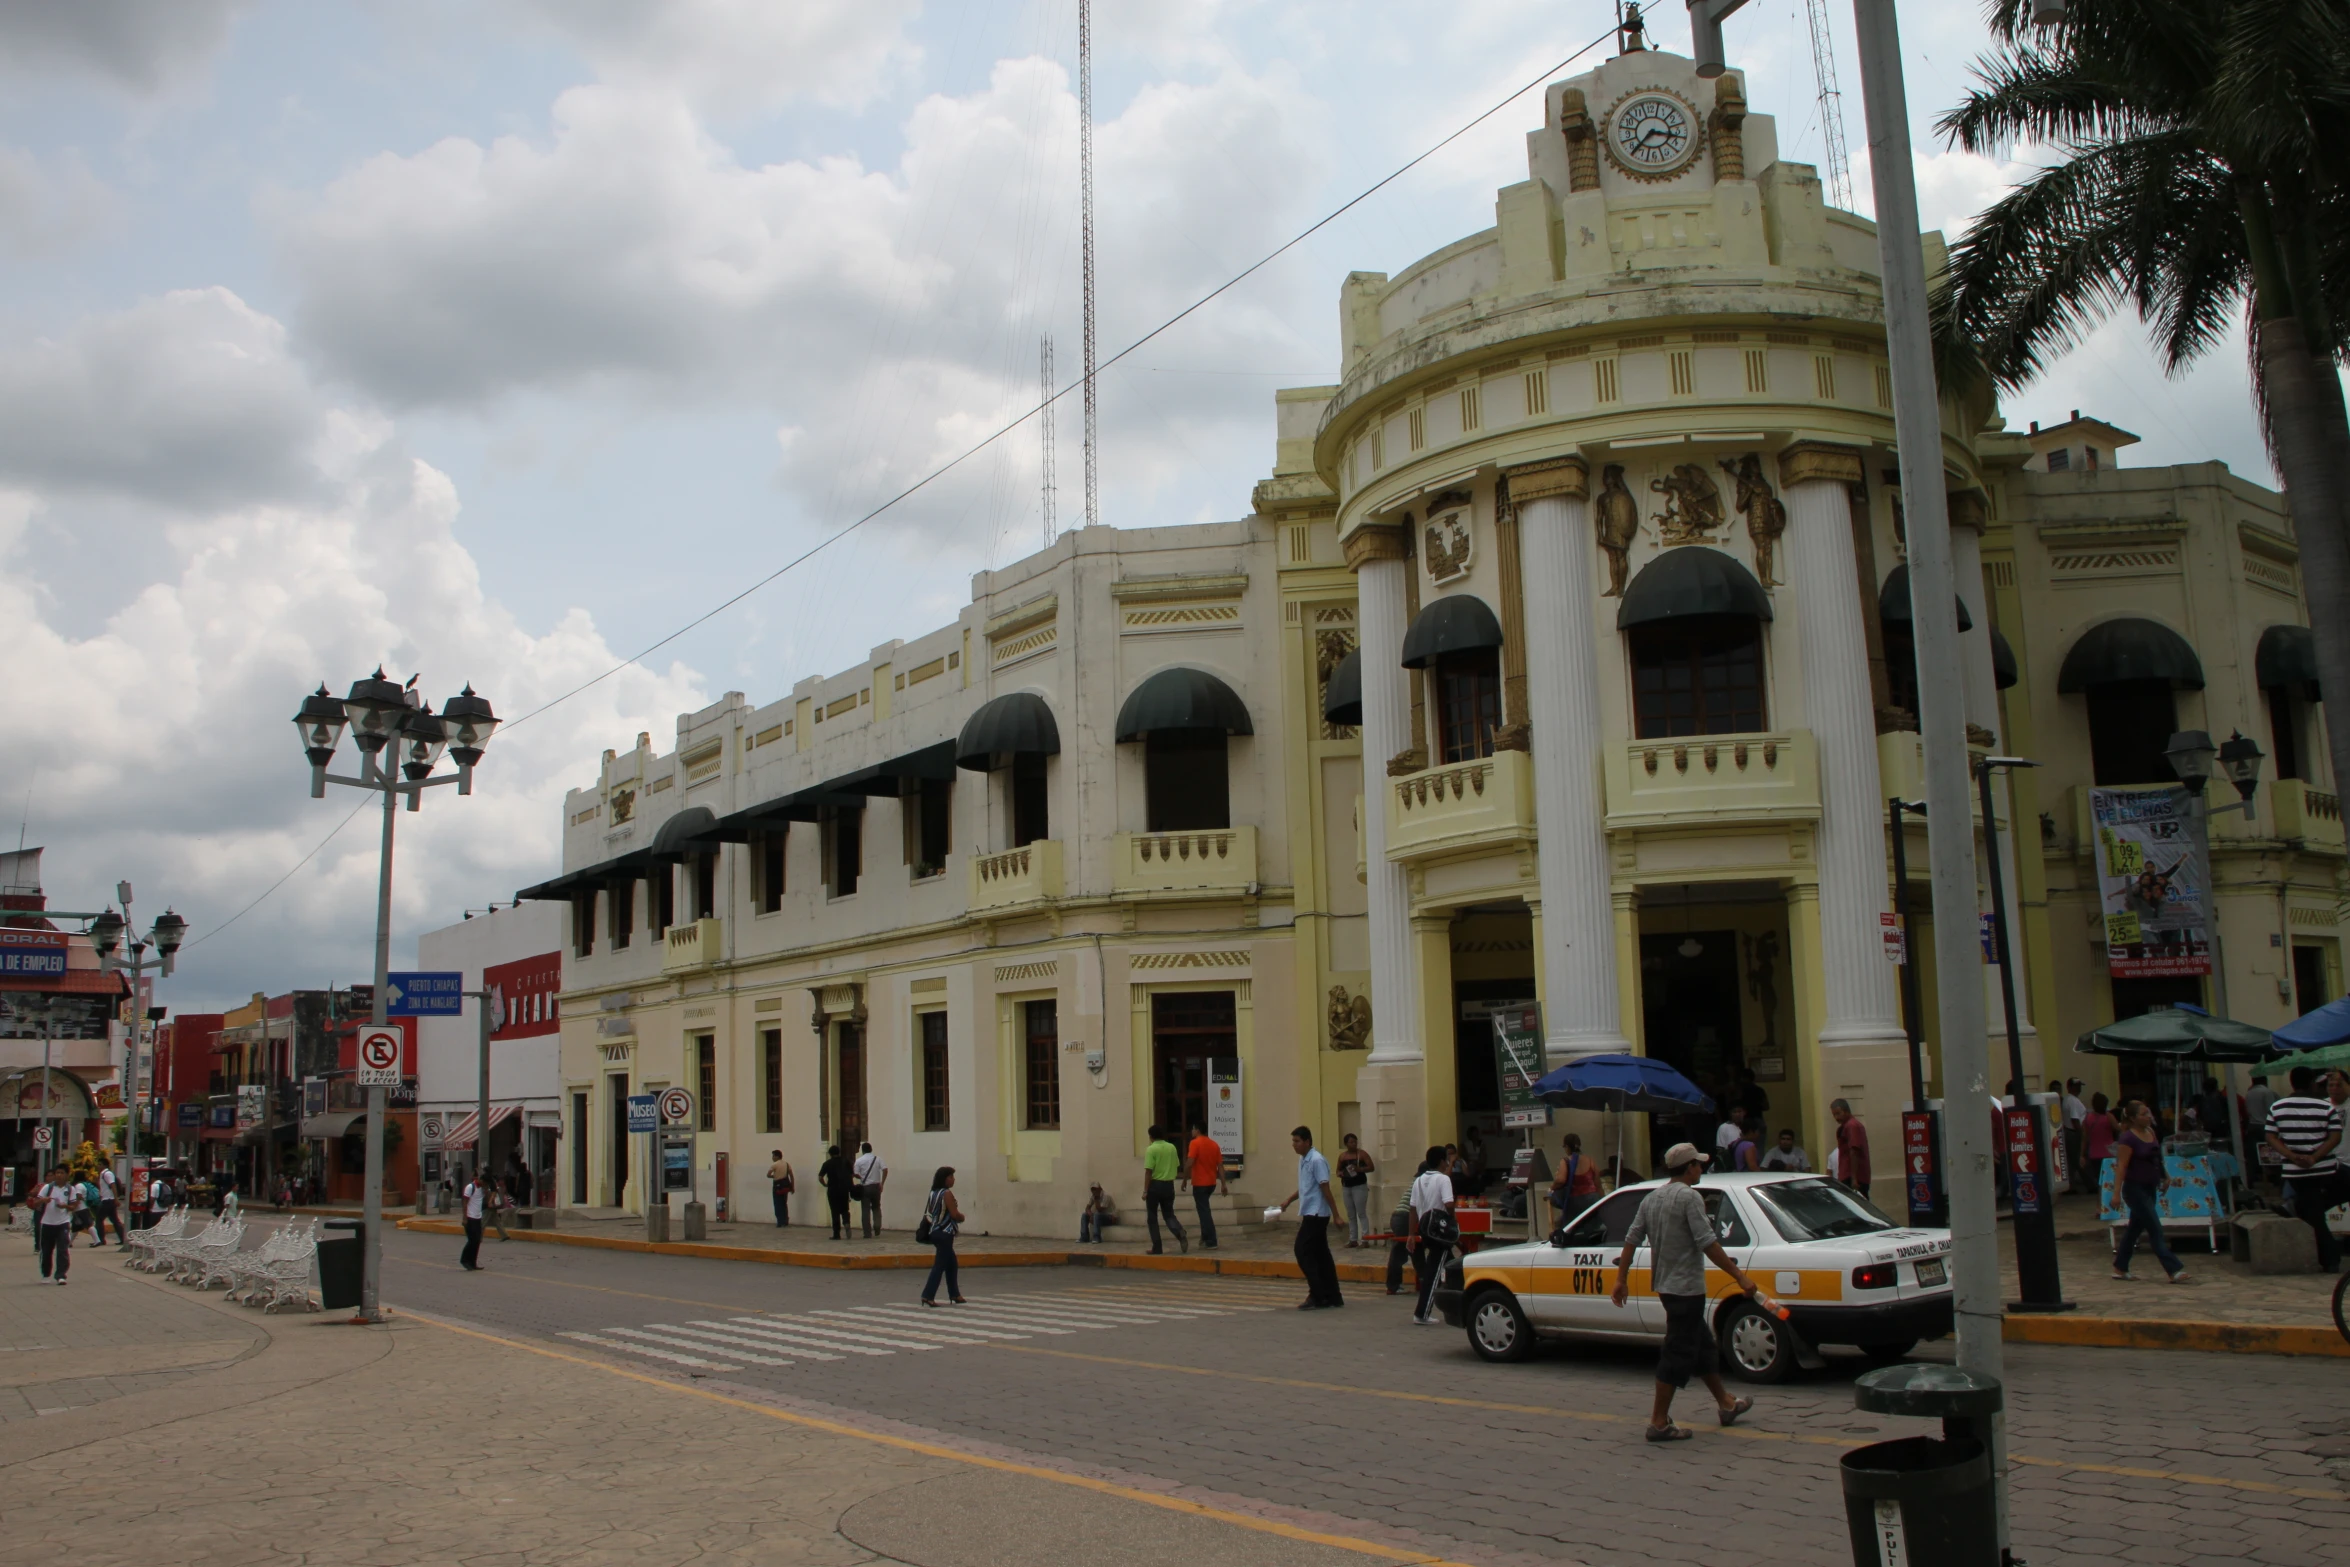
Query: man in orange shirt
(1204, 1159)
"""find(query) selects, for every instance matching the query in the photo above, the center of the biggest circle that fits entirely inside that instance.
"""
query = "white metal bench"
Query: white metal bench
(20, 1221)
(217, 1263)
(190, 1258)
(279, 1272)
(146, 1244)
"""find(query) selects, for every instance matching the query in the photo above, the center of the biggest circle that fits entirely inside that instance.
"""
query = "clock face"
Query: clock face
(1653, 134)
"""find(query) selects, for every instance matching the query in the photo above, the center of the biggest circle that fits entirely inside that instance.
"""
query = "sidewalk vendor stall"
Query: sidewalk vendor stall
(2204, 1172)
(1624, 1084)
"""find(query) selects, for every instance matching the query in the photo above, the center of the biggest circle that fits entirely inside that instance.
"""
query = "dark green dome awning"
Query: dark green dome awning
(1342, 700)
(1691, 580)
(1181, 698)
(1021, 722)
(1893, 601)
(2130, 649)
(2287, 656)
(1455, 623)
(2004, 670)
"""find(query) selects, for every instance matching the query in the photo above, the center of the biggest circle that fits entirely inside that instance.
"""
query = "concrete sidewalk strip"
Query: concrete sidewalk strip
(653, 1354)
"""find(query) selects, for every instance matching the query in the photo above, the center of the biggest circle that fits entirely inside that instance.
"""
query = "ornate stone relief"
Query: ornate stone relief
(1330, 649)
(1615, 523)
(1350, 1020)
(1448, 543)
(1766, 514)
(1693, 506)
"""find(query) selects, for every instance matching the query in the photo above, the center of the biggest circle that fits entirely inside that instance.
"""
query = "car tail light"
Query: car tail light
(1876, 1276)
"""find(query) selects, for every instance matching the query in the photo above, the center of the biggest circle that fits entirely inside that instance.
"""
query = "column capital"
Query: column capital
(1803, 892)
(1969, 510)
(1807, 461)
(1568, 477)
(1432, 924)
(1375, 541)
(1624, 900)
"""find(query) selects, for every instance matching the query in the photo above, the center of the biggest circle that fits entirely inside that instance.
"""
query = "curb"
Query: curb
(2157, 1333)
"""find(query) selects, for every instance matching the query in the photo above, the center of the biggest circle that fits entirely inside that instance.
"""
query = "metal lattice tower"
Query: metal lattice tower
(1044, 431)
(1085, 240)
(1836, 164)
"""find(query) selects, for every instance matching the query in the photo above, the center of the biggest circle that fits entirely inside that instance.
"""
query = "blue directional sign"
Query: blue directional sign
(427, 994)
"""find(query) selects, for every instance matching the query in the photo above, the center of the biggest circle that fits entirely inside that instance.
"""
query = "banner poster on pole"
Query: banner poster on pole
(2153, 883)
(1224, 1106)
(1517, 1053)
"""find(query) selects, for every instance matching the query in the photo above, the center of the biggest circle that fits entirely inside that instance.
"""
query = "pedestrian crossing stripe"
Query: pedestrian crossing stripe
(893, 1327)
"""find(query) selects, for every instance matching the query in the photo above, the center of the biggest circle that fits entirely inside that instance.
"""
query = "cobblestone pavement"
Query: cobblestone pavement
(94, 1340)
(2168, 1457)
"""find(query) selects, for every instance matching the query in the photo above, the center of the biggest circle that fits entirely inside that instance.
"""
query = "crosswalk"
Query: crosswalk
(733, 1342)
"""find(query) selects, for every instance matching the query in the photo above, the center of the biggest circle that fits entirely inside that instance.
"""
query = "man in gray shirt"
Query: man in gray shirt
(1681, 1240)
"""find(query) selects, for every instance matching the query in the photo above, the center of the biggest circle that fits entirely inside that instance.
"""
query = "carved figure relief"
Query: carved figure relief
(1330, 650)
(1350, 1020)
(1693, 507)
(1448, 544)
(1615, 521)
(1766, 514)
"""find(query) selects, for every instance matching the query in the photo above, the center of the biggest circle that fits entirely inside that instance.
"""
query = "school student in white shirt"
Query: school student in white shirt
(1431, 1192)
(871, 1173)
(58, 1200)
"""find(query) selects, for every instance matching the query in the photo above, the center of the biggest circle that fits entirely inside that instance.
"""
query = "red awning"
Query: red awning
(461, 1133)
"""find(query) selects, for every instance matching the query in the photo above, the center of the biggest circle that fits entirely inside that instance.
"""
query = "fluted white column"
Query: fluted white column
(1982, 708)
(1580, 1011)
(1377, 554)
(1858, 1004)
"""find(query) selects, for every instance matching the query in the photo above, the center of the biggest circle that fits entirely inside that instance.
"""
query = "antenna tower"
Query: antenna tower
(1085, 232)
(1837, 163)
(1044, 430)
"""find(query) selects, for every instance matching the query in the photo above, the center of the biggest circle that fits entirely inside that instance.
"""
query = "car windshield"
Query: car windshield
(1818, 1210)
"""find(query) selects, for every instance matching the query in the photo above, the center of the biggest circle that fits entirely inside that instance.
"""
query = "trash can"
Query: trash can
(1924, 1501)
(339, 1265)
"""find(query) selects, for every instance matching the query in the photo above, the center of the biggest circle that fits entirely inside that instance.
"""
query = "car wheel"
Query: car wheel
(1757, 1346)
(1498, 1330)
(1886, 1354)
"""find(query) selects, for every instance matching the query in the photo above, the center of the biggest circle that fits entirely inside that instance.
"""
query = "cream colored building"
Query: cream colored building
(1595, 554)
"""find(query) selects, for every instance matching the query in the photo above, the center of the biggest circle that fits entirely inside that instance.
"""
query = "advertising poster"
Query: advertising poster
(1224, 1120)
(2153, 884)
(1517, 1049)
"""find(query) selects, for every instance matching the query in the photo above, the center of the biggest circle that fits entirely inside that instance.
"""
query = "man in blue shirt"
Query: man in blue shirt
(1314, 1211)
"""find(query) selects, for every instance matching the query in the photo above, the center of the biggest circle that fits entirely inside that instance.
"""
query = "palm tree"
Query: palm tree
(2204, 172)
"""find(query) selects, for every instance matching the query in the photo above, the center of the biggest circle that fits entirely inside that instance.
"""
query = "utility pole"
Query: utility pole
(1093, 496)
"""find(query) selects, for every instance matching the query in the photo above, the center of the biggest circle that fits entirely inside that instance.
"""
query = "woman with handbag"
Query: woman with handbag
(942, 1217)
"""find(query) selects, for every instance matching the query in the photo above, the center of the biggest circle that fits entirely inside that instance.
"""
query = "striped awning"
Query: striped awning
(462, 1132)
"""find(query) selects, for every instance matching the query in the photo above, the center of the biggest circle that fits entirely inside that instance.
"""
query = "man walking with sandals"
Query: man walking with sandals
(1681, 1240)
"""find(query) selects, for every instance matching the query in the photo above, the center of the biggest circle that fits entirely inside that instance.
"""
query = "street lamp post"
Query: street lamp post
(383, 716)
(2191, 756)
(106, 934)
(2031, 1193)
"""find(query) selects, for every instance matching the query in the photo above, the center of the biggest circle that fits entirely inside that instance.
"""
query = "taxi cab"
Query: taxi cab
(1845, 1273)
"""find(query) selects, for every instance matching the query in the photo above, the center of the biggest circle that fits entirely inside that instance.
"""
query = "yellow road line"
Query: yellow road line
(1173, 1504)
(1602, 1417)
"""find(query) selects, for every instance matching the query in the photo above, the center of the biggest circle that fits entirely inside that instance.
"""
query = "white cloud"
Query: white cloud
(157, 745)
(737, 55)
(44, 212)
(142, 45)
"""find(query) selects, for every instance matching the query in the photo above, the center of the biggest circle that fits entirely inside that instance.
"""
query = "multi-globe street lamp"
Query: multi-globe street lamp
(385, 717)
(106, 934)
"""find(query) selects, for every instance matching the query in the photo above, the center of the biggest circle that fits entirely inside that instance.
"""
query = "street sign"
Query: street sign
(379, 1057)
(677, 1160)
(32, 952)
(432, 1129)
(1517, 1048)
(439, 993)
(2024, 1177)
(644, 1113)
(1895, 939)
(677, 1107)
(41, 1137)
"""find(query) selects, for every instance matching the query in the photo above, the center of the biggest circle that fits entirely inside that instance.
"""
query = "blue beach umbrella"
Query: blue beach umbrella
(1621, 1083)
(2328, 1025)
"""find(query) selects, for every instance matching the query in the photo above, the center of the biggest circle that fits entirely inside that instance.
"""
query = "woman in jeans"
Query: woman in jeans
(945, 1217)
(2140, 1175)
(1354, 1179)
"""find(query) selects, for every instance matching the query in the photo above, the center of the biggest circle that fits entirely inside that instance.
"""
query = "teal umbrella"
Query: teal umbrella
(2181, 1035)
(2327, 1057)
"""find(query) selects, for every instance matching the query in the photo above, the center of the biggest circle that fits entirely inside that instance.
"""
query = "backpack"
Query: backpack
(1439, 1227)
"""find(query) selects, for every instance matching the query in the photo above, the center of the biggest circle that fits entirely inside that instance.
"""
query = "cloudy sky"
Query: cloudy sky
(495, 339)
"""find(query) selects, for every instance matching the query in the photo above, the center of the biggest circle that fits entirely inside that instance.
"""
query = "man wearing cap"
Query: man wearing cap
(1681, 1240)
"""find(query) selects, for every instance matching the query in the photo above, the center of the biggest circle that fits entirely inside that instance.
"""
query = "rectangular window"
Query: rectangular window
(2284, 731)
(1758, 370)
(1537, 393)
(583, 924)
(1041, 1060)
(771, 847)
(1603, 380)
(1417, 423)
(2059, 460)
(1186, 783)
(1884, 386)
(662, 890)
(706, 1081)
(1697, 675)
(1468, 703)
(705, 873)
(934, 1071)
(771, 1076)
(1823, 374)
(623, 896)
(1472, 407)
(579, 1147)
(1031, 815)
(1378, 449)
(1680, 364)
(846, 834)
(929, 814)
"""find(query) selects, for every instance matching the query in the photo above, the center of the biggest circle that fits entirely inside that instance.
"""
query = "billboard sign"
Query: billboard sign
(28, 952)
(2153, 883)
(1517, 1057)
(526, 989)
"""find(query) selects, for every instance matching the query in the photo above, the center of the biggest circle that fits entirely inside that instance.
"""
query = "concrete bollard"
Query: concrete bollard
(697, 1222)
(657, 1222)
(2273, 1243)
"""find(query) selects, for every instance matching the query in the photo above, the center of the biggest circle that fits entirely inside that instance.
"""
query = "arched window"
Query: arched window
(1015, 733)
(1183, 717)
(2129, 673)
(1692, 622)
(2286, 664)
